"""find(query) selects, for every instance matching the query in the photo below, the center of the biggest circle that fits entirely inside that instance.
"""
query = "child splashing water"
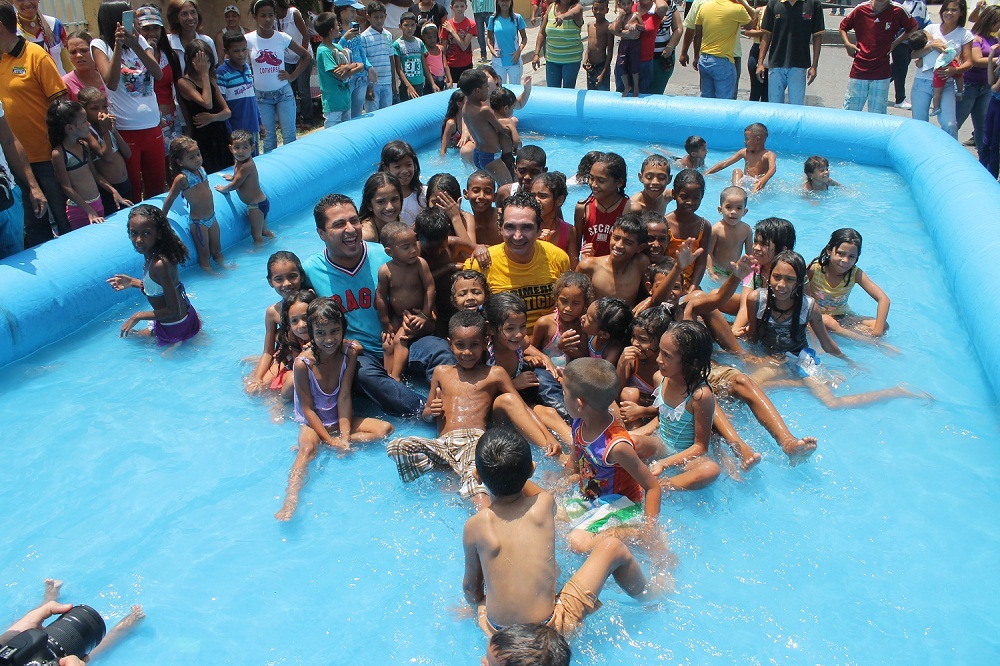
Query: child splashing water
(74, 169)
(832, 275)
(778, 315)
(559, 335)
(285, 275)
(324, 377)
(191, 181)
(400, 160)
(817, 170)
(174, 318)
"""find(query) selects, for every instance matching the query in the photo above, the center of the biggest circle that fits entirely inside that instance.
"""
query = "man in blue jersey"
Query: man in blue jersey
(347, 272)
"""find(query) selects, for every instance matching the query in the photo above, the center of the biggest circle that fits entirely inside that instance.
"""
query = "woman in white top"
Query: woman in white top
(127, 65)
(291, 23)
(951, 30)
(270, 78)
(184, 21)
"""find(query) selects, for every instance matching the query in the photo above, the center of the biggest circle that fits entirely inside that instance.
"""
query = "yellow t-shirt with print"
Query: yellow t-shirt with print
(720, 22)
(531, 281)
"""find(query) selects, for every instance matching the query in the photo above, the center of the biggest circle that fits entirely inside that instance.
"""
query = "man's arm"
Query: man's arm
(697, 47)
(17, 160)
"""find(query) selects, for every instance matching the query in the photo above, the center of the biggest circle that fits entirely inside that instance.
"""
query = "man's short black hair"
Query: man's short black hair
(329, 201)
(503, 460)
(522, 199)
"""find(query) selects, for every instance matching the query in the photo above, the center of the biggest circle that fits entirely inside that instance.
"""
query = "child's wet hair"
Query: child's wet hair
(798, 264)
(756, 129)
(391, 232)
(656, 161)
(466, 319)
(287, 345)
(243, 136)
(694, 343)
(531, 644)
(616, 167)
(651, 217)
(533, 153)
(583, 168)
(375, 182)
(576, 280)
(61, 113)
(776, 230)
(693, 143)
(732, 189)
(484, 175)
(632, 224)
(502, 97)
(686, 177)
(395, 151)
(594, 380)
(838, 238)
(292, 258)
(614, 317)
(180, 147)
(432, 226)
(815, 162)
(444, 182)
(501, 306)
(89, 94)
(169, 244)
(470, 275)
(472, 80)
(654, 321)
(554, 182)
(325, 309)
(503, 461)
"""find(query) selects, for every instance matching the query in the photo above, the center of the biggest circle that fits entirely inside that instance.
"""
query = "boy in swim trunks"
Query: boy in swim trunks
(613, 480)
(510, 550)
(461, 398)
(759, 163)
(247, 185)
(731, 236)
(483, 125)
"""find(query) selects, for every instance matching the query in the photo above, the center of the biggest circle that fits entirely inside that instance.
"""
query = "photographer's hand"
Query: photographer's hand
(33, 619)
(72, 660)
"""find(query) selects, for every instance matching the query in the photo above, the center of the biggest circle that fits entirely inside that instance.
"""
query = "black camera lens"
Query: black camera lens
(76, 632)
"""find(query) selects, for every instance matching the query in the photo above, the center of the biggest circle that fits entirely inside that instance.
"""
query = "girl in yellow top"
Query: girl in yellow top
(831, 277)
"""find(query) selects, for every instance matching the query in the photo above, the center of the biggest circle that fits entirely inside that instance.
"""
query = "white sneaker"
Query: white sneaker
(906, 106)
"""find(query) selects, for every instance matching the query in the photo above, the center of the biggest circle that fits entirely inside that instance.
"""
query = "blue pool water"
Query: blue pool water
(143, 479)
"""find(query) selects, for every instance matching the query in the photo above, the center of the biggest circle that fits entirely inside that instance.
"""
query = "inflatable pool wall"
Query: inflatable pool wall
(50, 291)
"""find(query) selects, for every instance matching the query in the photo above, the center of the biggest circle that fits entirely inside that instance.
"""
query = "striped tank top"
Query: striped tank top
(562, 43)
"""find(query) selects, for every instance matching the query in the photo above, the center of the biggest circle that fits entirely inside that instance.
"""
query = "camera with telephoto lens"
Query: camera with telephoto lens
(76, 632)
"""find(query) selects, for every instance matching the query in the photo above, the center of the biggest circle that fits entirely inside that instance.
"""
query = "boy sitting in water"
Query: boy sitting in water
(696, 149)
(731, 236)
(461, 398)
(510, 549)
(483, 125)
(759, 163)
(247, 184)
(612, 478)
(620, 274)
(405, 290)
(655, 178)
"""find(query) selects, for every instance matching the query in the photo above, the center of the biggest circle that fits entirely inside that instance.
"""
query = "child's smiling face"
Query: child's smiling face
(468, 294)
(403, 169)
(467, 344)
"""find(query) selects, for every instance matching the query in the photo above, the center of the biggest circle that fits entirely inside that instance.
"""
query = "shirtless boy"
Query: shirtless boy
(600, 49)
(759, 163)
(480, 192)
(731, 236)
(696, 149)
(655, 179)
(405, 289)
(483, 125)
(620, 274)
(247, 185)
(502, 101)
(510, 549)
(461, 398)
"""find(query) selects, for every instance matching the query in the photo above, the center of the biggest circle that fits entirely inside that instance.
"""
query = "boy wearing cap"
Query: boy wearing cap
(378, 49)
(235, 79)
(347, 14)
(233, 28)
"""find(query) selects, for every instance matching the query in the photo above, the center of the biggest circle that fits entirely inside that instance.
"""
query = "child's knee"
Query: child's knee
(383, 429)
(581, 541)
(611, 549)
(505, 403)
(630, 394)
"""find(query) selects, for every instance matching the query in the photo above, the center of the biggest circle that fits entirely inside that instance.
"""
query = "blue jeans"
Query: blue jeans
(974, 104)
(12, 225)
(791, 78)
(37, 230)
(302, 88)
(277, 106)
(921, 95)
(383, 97)
(359, 89)
(393, 397)
(561, 75)
(550, 393)
(718, 77)
(481, 19)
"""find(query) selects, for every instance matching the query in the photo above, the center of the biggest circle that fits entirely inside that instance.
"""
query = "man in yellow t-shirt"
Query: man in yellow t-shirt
(522, 264)
(716, 32)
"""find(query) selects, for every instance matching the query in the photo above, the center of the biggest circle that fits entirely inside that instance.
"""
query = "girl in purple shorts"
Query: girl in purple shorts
(173, 317)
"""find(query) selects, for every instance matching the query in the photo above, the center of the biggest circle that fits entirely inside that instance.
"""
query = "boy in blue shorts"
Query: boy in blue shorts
(235, 80)
(613, 479)
(483, 125)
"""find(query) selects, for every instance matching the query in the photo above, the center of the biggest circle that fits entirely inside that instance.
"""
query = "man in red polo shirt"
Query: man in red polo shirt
(876, 25)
